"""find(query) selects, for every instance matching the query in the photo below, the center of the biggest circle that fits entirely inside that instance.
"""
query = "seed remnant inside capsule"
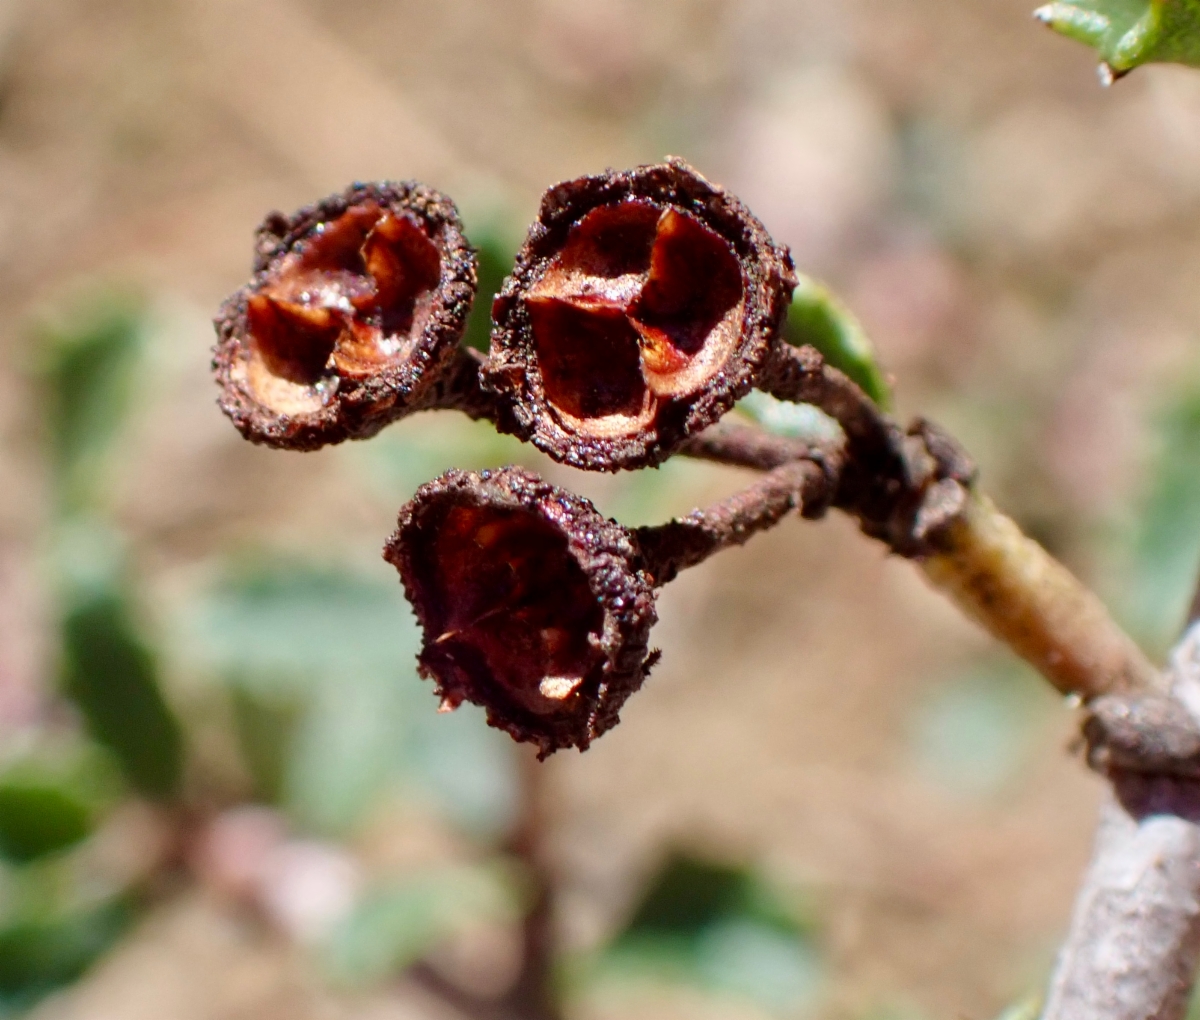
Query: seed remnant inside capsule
(347, 301)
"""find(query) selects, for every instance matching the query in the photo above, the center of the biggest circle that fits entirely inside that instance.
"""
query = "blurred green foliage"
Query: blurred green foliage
(321, 666)
(972, 734)
(1166, 545)
(56, 914)
(90, 357)
(797, 421)
(413, 452)
(496, 254)
(88, 364)
(719, 927)
(1127, 33)
(399, 923)
(1028, 1008)
(42, 952)
(819, 318)
(112, 676)
(52, 797)
(39, 818)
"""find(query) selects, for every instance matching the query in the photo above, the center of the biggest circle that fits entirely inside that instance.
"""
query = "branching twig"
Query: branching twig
(1136, 932)
(669, 548)
(1134, 939)
(750, 447)
(459, 388)
(915, 490)
(1032, 603)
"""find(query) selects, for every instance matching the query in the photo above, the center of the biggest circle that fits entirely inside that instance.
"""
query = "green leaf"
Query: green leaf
(88, 361)
(266, 724)
(818, 318)
(112, 676)
(797, 421)
(1167, 544)
(321, 666)
(38, 955)
(1127, 33)
(311, 658)
(52, 797)
(397, 924)
(722, 928)
(496, 255)
(689, 894)
(37, 819)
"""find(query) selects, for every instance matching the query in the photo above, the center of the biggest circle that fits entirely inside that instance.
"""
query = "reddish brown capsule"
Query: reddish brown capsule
(643, 304)
(356, 306)
(532, 603)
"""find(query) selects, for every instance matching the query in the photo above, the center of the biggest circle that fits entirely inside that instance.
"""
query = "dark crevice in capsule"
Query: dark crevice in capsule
(612, 240)
(508, 607)
(626, 307)
(589, 358)
(694, 280)
(293, 341)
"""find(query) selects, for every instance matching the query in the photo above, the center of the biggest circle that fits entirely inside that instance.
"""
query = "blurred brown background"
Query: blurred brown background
(1021, 244)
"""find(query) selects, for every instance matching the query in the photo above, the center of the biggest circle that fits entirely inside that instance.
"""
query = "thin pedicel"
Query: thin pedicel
(537, 607)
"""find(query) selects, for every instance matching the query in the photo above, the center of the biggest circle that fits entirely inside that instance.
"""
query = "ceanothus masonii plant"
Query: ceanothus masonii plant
(643, 305)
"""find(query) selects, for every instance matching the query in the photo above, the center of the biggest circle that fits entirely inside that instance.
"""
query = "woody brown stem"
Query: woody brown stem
(1031, 602)
(916, 492)
(459, 389)
(751, 447)
(1134, 939)
(800, 375)
(913, 490)
(669, 548)
(532, 995)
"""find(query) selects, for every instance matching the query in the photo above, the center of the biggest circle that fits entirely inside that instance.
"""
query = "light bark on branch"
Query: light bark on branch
(1032, 603)
(1134, 940)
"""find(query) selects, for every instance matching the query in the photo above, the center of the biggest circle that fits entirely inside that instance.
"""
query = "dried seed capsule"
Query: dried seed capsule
(532, 603)
(355, 308)
(643, 304)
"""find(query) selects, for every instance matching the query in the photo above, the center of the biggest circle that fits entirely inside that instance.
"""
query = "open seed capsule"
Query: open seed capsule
(531, 601)
(643, 304)
(355, 308)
